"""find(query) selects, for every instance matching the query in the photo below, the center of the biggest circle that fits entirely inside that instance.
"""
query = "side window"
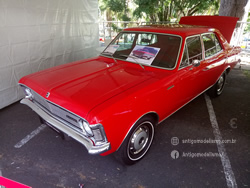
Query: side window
(217, 44)
(192, 51)
(194, 48)
(211, 44)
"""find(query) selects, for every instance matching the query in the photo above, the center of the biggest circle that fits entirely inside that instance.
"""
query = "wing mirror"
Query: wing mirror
(196, 63)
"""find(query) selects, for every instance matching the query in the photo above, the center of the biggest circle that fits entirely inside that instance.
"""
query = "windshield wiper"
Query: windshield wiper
(111, 54)
(123, 55)
(107, 53)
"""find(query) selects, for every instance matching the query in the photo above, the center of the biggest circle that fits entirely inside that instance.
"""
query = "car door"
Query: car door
(215, 59)
(189, 82)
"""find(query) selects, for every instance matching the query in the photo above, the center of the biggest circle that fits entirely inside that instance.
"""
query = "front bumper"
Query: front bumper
(87, 142)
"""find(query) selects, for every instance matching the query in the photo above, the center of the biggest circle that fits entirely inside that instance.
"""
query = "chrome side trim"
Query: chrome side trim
(92, 149)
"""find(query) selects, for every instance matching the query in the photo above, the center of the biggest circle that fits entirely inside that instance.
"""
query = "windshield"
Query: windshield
(152, 49)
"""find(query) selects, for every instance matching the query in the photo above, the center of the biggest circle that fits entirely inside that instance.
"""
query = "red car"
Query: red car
(144, 53)
(111, 104)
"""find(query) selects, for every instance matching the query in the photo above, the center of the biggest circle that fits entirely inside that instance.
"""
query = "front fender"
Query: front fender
(117, 122)
(119, 114)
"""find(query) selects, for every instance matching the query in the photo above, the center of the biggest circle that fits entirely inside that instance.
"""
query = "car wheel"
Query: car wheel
(137, 142)
(218, 87)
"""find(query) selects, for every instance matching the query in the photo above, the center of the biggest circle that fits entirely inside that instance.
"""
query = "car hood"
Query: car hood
(82, 85)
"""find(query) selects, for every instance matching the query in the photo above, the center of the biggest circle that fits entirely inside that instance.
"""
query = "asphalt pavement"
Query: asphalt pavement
(184, 152)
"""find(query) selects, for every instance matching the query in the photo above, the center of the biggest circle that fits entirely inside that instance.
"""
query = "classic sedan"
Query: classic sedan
(113, 102)
(144, 53)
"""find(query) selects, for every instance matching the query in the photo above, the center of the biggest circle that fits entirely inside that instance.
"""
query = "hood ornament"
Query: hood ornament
(47, 95)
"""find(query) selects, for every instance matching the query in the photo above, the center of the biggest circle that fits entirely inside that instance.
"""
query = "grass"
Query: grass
(247, 73)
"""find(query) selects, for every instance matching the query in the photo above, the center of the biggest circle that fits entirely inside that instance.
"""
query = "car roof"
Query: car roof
(177, 29)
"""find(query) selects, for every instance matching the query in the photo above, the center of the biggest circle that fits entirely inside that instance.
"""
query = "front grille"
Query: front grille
(40, 100)
(56, 110)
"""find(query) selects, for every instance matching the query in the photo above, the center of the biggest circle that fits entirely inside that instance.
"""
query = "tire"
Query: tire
(218, 87)
(137, 142)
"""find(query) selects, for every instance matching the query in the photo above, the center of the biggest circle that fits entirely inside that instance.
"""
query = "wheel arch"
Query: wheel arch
(228, 69)
(153, 115)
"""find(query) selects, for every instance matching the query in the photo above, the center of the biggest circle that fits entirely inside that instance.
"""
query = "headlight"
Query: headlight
(96, 131)
(85, 127)
(28, 93)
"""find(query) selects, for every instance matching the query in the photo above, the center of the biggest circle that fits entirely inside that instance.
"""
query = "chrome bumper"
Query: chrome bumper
(92, 149)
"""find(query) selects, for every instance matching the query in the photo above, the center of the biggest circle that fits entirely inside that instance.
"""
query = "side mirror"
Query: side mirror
(196, 63)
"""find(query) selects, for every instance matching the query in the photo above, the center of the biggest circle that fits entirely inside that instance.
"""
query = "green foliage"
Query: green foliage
(164, 10)
(124, 17)
(247, 28)
(115, 5)
(158, 10)
(116, 28)
(190, 7)
(154, 10)
(247, 73)
(118, 7)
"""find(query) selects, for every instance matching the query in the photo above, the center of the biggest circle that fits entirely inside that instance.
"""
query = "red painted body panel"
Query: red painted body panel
(5, 182)
(81, 86)
(175, 29)
(117, 93)
(122, 111)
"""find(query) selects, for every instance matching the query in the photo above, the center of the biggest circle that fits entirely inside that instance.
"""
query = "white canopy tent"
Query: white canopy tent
(38, 34)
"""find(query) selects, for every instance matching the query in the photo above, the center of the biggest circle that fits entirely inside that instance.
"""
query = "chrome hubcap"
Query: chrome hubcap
(220, 84)
(139, 140)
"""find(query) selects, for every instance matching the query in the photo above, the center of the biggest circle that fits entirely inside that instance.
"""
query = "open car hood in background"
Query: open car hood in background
(224, 24)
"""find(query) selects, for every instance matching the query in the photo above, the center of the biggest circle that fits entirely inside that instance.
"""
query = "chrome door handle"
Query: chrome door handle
(206, 69)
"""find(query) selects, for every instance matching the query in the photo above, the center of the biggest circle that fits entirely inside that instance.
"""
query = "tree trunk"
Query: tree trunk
(235, 8)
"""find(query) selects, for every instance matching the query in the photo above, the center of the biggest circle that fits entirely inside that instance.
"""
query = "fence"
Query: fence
(109, 29)
(243, 35)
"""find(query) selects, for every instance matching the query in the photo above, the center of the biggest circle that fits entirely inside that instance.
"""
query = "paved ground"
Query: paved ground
(48, 161)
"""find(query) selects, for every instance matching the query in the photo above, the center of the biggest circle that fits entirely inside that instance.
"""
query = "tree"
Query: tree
(235, 8)
(114, 10)
(165, 10)
(191, 7)
(247, 28)
(118, 7)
